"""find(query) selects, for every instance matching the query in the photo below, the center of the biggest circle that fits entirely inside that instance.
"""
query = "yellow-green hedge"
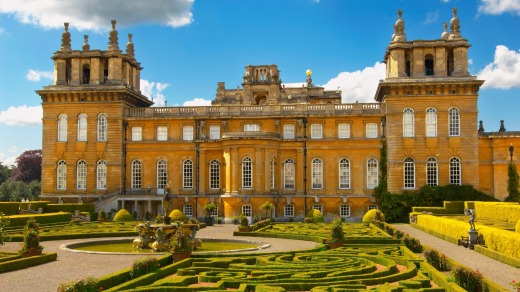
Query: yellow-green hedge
(509, 212)
(503, 241)
(20, 220)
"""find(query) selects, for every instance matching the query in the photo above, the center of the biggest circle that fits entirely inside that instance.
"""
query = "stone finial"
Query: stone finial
(445, 34)
(481, 126)
(65, 39)
(113, 39)
(86, 46)
(502, 128)
(455, 27)
(399, 34)
(130, 46)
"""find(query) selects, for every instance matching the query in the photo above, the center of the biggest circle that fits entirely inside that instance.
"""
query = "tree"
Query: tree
(512, 184)
(16, 190)
(5, 173)
(28, 166)
(266, 206)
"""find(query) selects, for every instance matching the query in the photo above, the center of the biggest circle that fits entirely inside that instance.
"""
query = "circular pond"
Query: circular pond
(124, 246)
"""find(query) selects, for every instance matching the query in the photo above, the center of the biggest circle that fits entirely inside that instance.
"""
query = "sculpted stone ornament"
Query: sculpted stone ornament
(65, 39)
(471, 214)
(166, 205)
(399, 34)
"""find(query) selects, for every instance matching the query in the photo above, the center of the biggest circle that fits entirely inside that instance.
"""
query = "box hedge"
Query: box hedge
(20, 220)
(85, 207)
(22, 263)
(9, 208)
(450, 207)
(509, 212)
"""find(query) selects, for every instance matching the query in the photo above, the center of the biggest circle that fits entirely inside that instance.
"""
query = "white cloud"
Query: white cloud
(499, 6)
(197, 102)
(504, 72)
(96, 14)
(432, 17)
(36, 76)
(359, 85)
(22, 115)
(7, 159)
(154, 91)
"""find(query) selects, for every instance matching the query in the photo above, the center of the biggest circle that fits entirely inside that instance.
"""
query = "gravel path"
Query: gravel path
(75, 265)
(496, 271)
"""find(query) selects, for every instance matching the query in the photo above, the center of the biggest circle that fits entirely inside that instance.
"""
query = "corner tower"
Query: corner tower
(83, 129)
(431, 110)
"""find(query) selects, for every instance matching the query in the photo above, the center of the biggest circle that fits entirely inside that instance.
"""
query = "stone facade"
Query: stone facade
(298, 147)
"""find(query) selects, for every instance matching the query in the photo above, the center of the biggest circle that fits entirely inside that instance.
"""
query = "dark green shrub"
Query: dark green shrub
(159, 219)
(9, 208)
(102, 217)
(144, 266)
(412, 243)
(123, 215)
(512, 184)
(148, 216)
(470, 280)
(437, 260)
(4, 222)
(72, 207)
(89, 284)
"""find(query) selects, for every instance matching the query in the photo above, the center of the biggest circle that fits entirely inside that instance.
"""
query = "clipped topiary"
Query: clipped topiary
(315, 215)
(372, 215)
(177, 215)
(102, 216)
(517, 228)
(123, 215)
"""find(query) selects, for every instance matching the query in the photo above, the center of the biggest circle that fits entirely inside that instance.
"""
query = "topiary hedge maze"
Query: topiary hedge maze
(350, 268)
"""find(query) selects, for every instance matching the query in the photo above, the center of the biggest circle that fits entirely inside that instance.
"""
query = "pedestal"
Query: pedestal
(472, 237)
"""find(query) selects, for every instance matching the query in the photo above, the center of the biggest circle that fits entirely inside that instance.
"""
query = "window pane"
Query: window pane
(162, 174)
(102, 128)
(214, 174)
(344, 211)
(289, 173)
(372, 173)
(272, 173)
(62, 128)
(187, 210)
(288, 131)
(317, 174)
(431, 122)
(344, 174)
(454, 122)
(343, 130)
(288, 211)
(162, 133)
(187, 133)
(247, 173)
(81, 175)
(371, 130)
(455, 177)
(187, 171)
(316, 131)
(409, 173)
(246, 210)
(136, 175)
(101, 175)
(61, 176)
(408, 123)
(82, 127)
(431, 171)
(251, 127)
(137, 134)
(214, 132)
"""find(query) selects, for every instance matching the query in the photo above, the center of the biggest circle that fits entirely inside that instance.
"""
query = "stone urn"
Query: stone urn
(333, 245)
(180, 255)
(32, 253)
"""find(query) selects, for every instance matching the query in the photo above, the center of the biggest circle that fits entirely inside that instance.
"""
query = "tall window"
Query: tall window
(344, 211)
(81, 175)
(214, 132)
(431, 171)
(409, 173)
(288, 174)
(162, 133)
(251, 128)
(247, 173)
(344, 174)
(62, 128)
(187, 174)
(102, 127)
(101, 175)
(288, 211)
(408, 123)
(214, 174)
(82, 127)
(187, 210)
(247, 210)
(137, 134)
(372, 173)
(187, 133)
(455, 177)
(371, 130)
(343, 130)
(428, 65)
(317, 174)
(288, 131)
(431, 122)
(454, 122)
(61, 175)
(86, 74)
(271, 168)
(316, 131)
(136, 175)
(162, 174)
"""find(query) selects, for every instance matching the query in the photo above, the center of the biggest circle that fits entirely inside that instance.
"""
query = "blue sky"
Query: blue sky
(187, 46)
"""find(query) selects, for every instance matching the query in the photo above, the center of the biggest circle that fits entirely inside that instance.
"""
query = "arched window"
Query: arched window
(288, 211)
(81, 175)
(288, 174)
(408, 123)
(431, 171)
(344, 174)
(455, 171)
(271, 169)
(344, 211)
(372, 173)
(247, 173)
(317, 174)
(187, 174)
(454, 122)
(409, 173)
(82, 127)
(135, 183)
(62, 128)
(214, 174)
(162, 174)
(102, 127)
(101, 175)
(86, 74)
(431, 122)
(428, 65)
(61, 175)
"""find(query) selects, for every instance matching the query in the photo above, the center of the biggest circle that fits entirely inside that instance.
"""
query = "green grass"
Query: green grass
(127, 247)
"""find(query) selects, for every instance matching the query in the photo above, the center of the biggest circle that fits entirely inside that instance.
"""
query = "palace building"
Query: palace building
(300, 148)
